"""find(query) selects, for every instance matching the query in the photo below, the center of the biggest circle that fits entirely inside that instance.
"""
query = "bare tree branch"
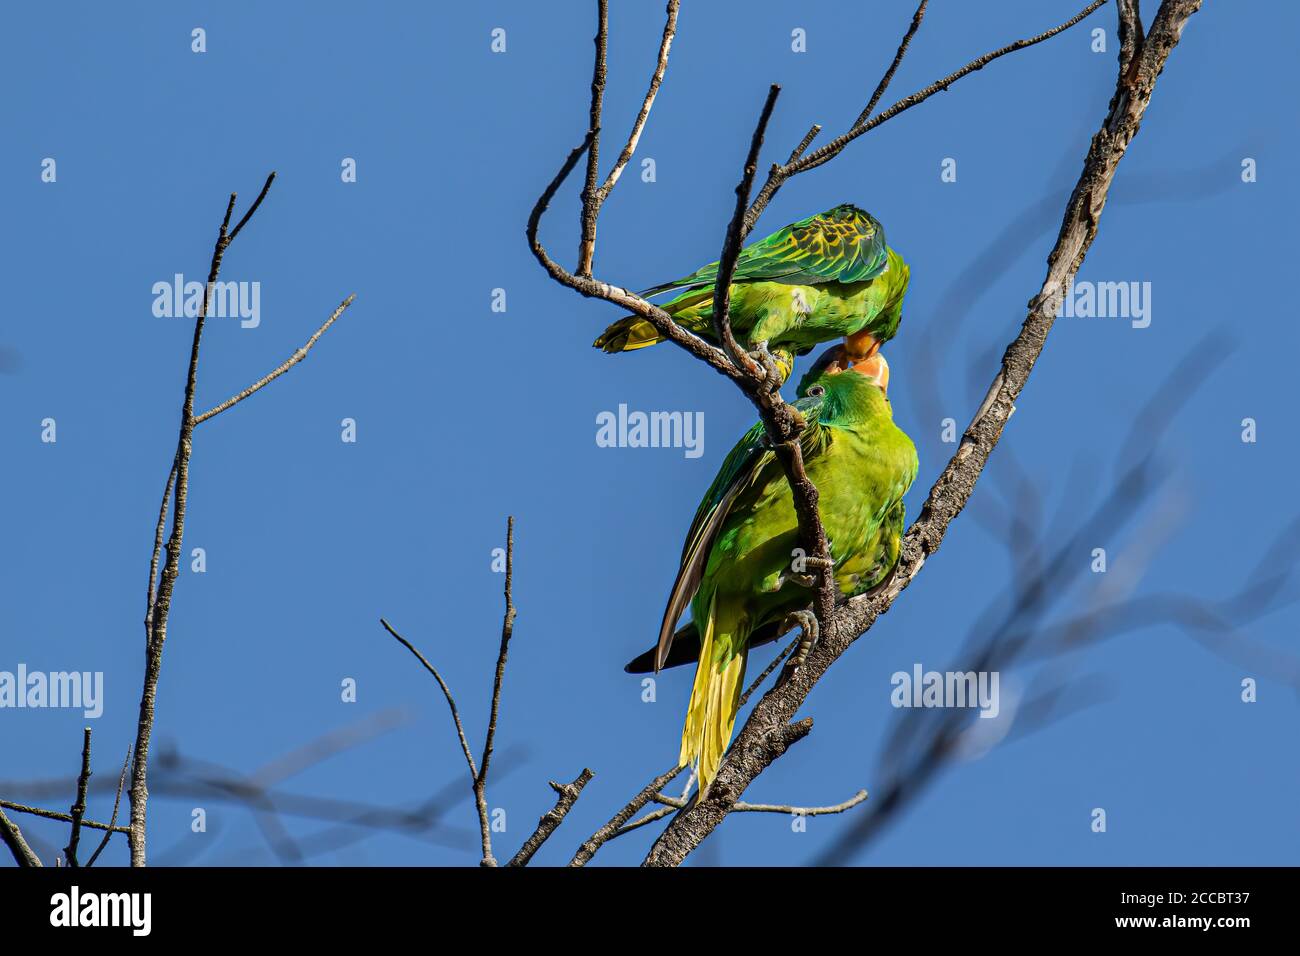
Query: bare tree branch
(615, 828)
(266, 187)
(888, 78)
(742, 807)
(158, 603)
(156, 615)
(568, 796)
(656, 79)
(151, 595)
(593, 195)
(446, 691)
(79, 806)
(733, 241)
(616, 822)
(117, 803)
(797, 163)
(479, 774)
(656, 814)
(766, 732)
(591, 288)
(781, 423)
(507, 631)
(590, 193)
(280, 369)
(186, 779)
(834, 147)
(59, 815)
(13, 839)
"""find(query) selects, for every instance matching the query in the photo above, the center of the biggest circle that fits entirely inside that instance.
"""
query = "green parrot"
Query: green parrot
(737, 572)
(821, 278)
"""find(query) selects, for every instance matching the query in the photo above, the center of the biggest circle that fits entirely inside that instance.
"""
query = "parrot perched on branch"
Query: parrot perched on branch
(739, 573)
(821, 278)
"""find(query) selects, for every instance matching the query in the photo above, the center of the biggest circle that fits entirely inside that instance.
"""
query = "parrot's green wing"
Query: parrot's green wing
(750, 456)
(844, 244)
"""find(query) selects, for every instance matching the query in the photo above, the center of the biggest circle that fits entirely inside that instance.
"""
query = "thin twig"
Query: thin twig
(280, 369)
(568, 794)
(775, 662)
(591, 288)
(781, 173)
(507, 630)
(152, 595)
(478, 772)
(616, 822)
(783, 427)
(446, 692)
(733, 241)
(776, 177)
(79, 806)
(656, 814)
(677, 803)
(60, 816)
(157, 614)
(893, 67)
(774, 182)
(158, 603)
(590, 192)
(656, 79)
(266, 187)
(594, 195)
(833, 148)
(112, 821)
(14, 840)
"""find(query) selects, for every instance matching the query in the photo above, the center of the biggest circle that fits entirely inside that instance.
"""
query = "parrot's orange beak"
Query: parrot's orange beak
(838, 359)
(874, 366)
(861, 345)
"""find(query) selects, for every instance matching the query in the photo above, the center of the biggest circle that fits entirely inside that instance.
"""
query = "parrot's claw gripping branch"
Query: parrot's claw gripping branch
(773, 378)
(822, 569)
(810, 635)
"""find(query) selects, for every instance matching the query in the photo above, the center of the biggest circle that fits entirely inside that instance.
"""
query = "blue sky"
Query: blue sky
(465, 415)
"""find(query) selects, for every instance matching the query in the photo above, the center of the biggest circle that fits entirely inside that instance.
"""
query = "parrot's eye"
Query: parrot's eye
(817, 391)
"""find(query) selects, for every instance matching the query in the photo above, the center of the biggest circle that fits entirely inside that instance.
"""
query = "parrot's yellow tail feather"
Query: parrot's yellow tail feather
(711, 715)
(628, 334)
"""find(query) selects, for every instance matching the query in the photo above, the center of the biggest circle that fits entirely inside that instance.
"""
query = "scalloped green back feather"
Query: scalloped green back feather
(844, 244)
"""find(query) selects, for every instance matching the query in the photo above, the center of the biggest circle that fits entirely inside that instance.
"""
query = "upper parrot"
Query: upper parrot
(821, 278)
(736, 571)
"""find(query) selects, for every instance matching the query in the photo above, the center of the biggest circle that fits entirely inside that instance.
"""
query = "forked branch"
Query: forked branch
(158, 595)
(729, 359)
(760, 741)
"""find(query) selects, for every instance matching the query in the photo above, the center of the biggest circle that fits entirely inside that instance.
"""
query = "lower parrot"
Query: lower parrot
(736, 571)
(824, 277)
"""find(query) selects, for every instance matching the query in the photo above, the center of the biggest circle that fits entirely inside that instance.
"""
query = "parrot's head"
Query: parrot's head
(837, 360)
